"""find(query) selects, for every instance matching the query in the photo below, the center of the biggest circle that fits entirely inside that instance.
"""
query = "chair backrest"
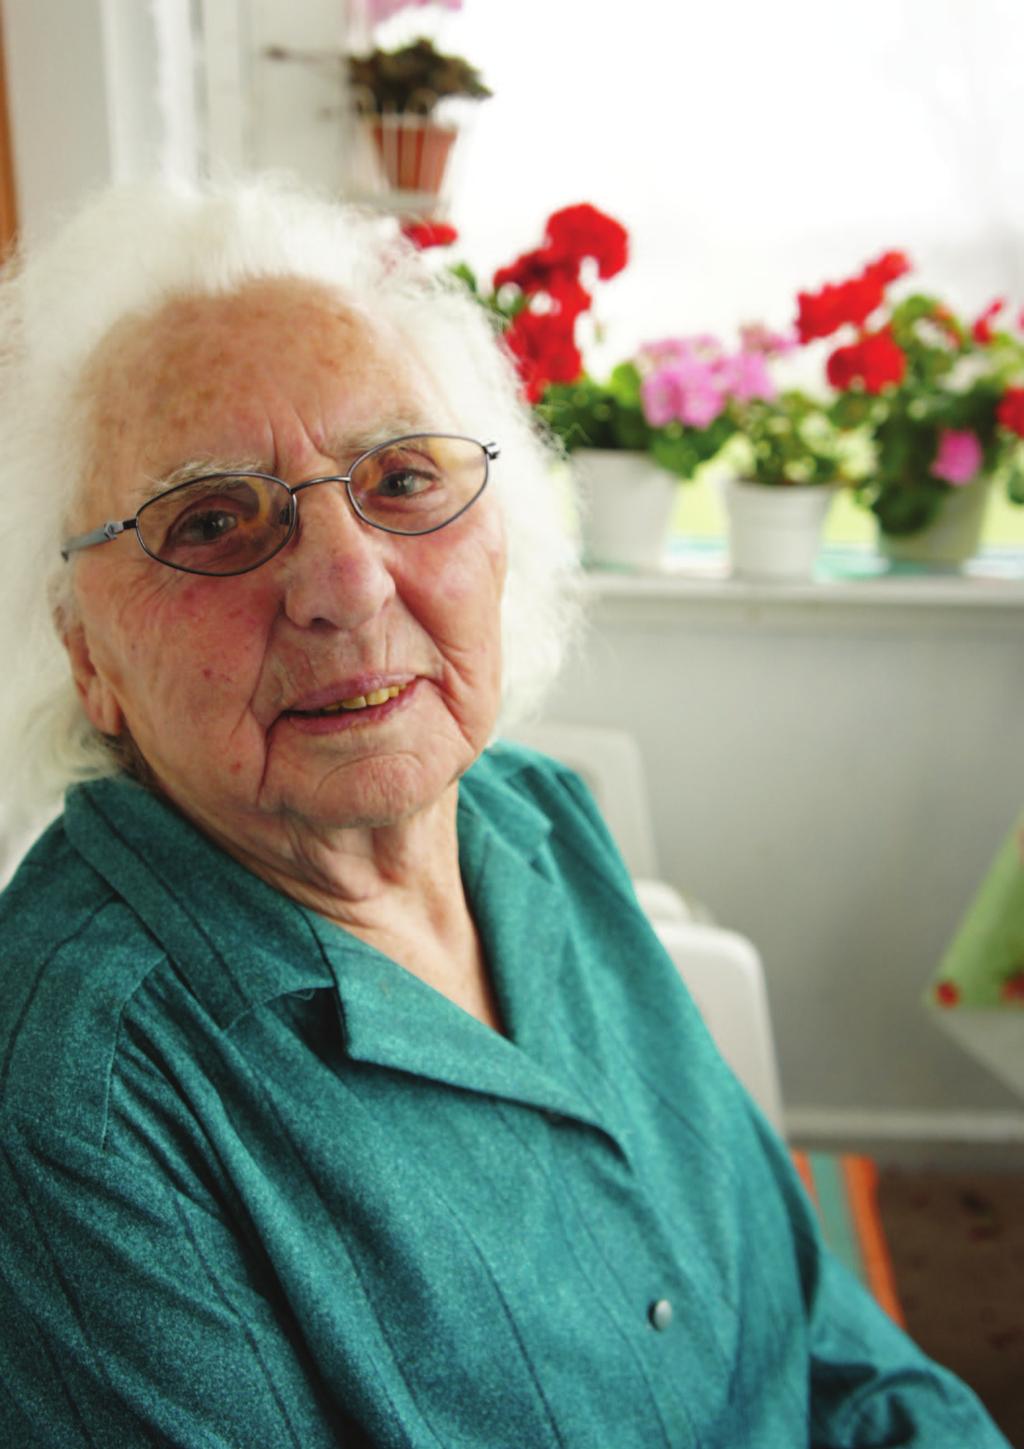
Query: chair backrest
(609, 761)
(724, 975)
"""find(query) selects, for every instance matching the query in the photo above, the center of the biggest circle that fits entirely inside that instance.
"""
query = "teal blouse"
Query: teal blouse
(261, 1187)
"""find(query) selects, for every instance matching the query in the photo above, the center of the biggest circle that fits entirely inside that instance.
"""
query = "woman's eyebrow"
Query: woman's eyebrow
(350, 445)
(194, 468)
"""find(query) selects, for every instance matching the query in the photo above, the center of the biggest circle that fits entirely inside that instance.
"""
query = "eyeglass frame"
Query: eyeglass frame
(112, 529)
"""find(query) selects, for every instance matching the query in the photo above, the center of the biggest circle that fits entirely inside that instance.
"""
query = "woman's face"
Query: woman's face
(221, 681)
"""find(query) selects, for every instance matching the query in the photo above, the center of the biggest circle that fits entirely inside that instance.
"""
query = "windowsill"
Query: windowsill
(697, 569)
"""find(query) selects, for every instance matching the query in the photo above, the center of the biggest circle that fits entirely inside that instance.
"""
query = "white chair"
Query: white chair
(609, 761)
(724, 975)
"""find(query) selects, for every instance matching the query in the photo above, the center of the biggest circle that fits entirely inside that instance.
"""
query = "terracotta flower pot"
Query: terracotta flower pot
(414, 152)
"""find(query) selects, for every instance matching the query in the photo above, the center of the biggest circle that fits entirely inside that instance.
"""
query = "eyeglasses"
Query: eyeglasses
(231, 523)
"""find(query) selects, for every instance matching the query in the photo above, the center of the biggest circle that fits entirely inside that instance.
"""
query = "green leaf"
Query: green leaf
(464, 273)
(624, 384)
(1013, 476)
(676, 454)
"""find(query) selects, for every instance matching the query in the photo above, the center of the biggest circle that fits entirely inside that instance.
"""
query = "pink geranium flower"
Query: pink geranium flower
(745, 376)
(684, 389)
(958, 459)
(659, 396)
(691, 380)
(701, 403)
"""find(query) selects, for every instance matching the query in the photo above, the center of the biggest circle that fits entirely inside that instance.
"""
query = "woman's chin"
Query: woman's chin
(371, 791)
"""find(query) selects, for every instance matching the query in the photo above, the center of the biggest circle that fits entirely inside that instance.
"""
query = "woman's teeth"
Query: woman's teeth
(362, 701)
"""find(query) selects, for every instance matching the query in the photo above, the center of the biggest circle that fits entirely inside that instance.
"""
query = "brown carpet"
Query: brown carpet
(957, 1246)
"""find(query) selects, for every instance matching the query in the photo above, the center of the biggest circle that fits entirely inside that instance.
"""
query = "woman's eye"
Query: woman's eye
(402, 483)
(205, 527)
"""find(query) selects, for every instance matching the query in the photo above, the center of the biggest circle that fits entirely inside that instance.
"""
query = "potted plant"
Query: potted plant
(538, 300)
(625, 499)
(786, 459)
(397, 94)
(627, 491)
(931, 396)
(704, 401)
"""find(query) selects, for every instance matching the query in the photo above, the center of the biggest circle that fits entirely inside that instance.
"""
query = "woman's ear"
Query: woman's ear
(98, 699)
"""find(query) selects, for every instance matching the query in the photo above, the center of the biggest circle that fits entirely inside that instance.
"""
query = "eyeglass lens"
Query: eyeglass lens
(226, 524)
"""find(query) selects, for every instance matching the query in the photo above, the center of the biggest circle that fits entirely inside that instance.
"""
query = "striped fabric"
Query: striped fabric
(844, 1189)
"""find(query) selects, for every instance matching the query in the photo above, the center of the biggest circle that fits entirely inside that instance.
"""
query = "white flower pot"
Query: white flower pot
(953, 536)
(626, 504)
(775, 530)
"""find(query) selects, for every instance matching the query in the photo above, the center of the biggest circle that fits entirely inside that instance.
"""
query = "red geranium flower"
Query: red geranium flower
(582, 231)
(822, 313)
(541, 337)
(875, 361)
(570, 297)
(982, 329)
(424, 234)
(1010, 412)
(838, 303)
(544, 349)
(889, 267)
(534, 271)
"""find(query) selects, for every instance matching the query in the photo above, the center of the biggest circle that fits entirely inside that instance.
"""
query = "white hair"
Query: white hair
(129, 251)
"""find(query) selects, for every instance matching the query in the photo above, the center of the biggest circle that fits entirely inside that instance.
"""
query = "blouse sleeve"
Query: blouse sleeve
(870, 1385)
(128, 1316)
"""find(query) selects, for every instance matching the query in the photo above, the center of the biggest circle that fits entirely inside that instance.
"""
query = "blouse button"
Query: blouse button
(660, 1314)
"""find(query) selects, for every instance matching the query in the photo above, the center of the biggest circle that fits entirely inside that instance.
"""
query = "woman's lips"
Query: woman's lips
(369, 706)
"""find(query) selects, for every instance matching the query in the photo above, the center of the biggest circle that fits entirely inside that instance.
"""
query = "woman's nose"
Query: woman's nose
(337, 568)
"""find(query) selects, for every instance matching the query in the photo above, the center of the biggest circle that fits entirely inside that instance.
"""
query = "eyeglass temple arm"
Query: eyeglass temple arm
(98, 535)
(492, 450)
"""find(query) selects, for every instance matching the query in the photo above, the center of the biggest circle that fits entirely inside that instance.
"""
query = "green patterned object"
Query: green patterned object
(984, 965)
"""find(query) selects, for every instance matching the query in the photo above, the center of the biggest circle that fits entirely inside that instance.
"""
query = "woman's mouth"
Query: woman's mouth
(373, 705)
(358, 701)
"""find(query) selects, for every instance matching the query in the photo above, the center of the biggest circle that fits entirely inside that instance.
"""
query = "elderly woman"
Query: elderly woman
(347, 1096)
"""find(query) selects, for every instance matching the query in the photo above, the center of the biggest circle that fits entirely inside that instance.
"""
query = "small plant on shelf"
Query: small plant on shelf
(411, 80)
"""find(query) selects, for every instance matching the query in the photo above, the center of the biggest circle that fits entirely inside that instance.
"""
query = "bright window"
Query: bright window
(752, 150)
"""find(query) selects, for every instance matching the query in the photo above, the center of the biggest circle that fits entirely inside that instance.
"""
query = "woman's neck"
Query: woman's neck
(397, 887)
